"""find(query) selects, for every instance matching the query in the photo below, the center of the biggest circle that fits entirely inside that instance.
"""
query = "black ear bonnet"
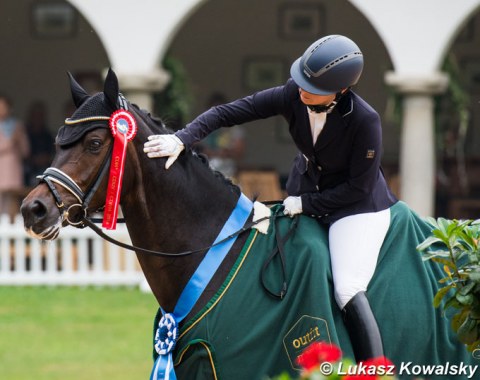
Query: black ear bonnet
(81, 121)
(92, 111)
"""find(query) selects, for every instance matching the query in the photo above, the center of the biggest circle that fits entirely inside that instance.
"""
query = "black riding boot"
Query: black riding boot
(362, 328)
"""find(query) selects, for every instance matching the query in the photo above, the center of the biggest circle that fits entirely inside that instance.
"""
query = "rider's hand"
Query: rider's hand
(293, 206)
(164, 146)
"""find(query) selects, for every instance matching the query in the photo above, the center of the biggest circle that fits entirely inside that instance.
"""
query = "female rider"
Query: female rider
(336, 176)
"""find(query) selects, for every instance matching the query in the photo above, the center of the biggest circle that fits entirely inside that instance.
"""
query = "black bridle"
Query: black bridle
(53, 176)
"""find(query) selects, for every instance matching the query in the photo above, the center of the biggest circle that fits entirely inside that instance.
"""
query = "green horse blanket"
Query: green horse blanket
(244, 333)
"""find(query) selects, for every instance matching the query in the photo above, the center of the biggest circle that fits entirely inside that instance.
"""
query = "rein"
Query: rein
(88, 222)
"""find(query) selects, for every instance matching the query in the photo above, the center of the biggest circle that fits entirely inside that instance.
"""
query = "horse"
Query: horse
(272, 294)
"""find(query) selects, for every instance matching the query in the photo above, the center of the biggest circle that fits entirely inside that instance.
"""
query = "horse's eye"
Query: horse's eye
(94, 145)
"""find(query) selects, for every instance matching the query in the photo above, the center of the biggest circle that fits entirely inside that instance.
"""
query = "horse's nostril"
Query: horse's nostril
(38, 209)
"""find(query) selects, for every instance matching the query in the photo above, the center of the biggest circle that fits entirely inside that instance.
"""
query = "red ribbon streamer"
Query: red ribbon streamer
(123, 128)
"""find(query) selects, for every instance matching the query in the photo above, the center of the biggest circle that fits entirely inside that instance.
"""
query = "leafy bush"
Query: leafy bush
(455, 245)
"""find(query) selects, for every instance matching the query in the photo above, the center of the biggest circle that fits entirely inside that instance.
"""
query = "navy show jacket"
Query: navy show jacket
(340, 174)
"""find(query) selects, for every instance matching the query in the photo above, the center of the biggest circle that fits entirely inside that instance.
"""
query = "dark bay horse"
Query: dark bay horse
(236, 330)
(153, 220)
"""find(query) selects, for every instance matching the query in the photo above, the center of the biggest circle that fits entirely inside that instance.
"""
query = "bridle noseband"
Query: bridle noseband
(52, 176)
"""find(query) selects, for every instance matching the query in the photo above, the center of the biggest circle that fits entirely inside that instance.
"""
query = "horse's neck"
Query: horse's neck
(174, 211)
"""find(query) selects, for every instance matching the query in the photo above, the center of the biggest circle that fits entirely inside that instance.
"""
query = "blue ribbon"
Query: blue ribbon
(167, 332)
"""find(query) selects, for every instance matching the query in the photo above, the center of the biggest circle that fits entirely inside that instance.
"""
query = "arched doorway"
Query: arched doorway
(236, 48)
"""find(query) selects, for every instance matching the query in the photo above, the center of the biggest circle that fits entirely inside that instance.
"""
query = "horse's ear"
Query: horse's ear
(79, 95)
(110, 89)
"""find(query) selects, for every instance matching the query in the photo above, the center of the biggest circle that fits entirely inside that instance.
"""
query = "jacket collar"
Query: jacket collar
(345, 105)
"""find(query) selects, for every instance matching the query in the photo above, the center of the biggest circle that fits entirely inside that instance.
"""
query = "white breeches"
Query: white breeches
(355, 243)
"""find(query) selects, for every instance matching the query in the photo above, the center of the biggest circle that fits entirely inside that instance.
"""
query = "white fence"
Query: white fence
(76, 257)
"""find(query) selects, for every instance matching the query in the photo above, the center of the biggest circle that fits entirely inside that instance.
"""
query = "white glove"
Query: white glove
(293, 206)
(164, 146)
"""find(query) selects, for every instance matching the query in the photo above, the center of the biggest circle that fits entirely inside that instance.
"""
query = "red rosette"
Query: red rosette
(122, 121)
(124, 128)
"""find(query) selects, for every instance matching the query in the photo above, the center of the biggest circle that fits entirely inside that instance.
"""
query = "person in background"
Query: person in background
(41, 142)
(14, 147)
(336, 176)
(224, 147)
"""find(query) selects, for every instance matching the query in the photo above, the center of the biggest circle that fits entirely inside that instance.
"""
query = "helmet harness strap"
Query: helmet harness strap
(319, 108)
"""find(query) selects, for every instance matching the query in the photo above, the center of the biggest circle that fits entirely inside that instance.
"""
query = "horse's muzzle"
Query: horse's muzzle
(33, 212)
(41, 217)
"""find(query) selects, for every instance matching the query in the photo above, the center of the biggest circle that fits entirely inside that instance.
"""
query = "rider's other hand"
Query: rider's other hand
(164, 146)
(293, 206)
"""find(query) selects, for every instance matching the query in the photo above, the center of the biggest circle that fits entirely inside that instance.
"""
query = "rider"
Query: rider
(336, 176)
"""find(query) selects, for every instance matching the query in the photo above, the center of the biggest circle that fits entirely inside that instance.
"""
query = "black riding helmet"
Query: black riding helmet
(329, 65)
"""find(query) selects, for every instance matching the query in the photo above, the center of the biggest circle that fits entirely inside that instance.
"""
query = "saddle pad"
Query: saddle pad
(244, 333)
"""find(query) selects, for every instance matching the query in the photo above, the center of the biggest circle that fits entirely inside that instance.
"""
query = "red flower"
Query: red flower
(317, 353)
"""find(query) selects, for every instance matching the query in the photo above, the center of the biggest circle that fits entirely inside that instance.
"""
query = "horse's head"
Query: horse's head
(75, 184)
